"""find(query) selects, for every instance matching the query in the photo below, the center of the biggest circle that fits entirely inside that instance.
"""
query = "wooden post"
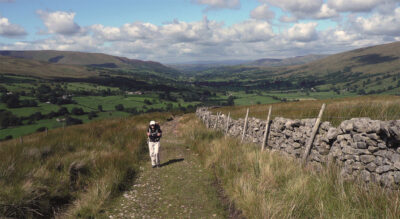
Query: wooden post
(266, 129)
(21, 140)
(216, 121)
(245, 124)
(47, 131)
(314, 132)
(227, 123)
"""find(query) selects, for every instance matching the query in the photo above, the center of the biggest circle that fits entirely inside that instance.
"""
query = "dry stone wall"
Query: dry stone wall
(362, 147)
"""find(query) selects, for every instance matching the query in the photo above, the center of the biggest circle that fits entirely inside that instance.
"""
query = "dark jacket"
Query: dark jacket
(153, 133)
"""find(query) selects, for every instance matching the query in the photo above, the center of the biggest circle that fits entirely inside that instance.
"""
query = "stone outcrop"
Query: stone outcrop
(362, 147)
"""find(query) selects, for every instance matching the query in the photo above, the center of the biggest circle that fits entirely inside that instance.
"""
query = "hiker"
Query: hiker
(154, 133)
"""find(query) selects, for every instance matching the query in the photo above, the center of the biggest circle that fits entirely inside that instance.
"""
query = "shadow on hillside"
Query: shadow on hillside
(374, 59)
(171, 162)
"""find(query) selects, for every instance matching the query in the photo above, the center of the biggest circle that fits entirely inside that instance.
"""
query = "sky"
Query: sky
(177, 31)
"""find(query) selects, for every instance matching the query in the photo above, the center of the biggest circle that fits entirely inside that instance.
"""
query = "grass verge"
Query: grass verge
(382, 107)
(75, 170)
(268, 185)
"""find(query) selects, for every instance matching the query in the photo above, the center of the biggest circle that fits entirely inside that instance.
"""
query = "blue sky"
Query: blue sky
(188, 30)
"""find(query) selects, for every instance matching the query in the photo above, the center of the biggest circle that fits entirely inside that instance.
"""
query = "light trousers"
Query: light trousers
(154, 149)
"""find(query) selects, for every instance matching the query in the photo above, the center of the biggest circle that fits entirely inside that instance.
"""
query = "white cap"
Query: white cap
(152, 123)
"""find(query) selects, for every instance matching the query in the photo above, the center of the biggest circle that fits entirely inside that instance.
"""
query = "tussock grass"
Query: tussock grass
(269, 185)
(337, 110)
(77, 169)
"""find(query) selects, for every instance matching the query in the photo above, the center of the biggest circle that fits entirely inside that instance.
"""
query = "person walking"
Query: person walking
(154, 134)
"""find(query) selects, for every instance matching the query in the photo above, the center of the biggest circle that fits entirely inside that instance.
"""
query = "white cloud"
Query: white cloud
(140, 30)
(251, 31)
(303, 32)
(379, 24)
(325, 12)
(219, 4)
(355, 5)
(211, 40)
(303, 9)
(299, 8)
(8, 29)
(287, 19)
(106, 33)
(59, 22)
(343, 36)
(262, 12)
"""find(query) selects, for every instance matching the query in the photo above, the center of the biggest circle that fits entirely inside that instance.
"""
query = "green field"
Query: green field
(242, 98)
(76, 86)
(44, 108)
(24, 86)
(52, 124)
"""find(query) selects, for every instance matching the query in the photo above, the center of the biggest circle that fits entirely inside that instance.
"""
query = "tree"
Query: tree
(44, 89)
(92, 115)
(3, 89)
(36, 116)
(169, 106)
(231, 101)
(63, 111)
(77, 111)
(13, 101)
(72, 121)
(8, 119)
(119, 107)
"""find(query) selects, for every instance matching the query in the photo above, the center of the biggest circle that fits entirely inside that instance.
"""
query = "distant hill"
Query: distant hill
(58, 61)
(196, 66)
(20, 66)
(370, 60)
(199, 66)
(286, 62)
(369, 70)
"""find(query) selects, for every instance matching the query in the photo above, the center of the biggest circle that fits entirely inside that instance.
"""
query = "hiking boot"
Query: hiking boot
(154, 166)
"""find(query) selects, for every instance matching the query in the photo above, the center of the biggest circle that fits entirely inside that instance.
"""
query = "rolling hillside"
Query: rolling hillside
(370, 60)
(286, 62)
(367, 70)
(19, 66)
(81, 62)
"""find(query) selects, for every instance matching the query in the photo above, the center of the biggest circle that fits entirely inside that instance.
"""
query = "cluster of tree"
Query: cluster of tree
(282, 99)
(167, 96)
(169, 107)
(102, 92)
(56, 95)
(13, 101)
(8, 119)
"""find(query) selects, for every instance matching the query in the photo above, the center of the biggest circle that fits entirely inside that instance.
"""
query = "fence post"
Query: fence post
(313, 133)
(227, 123)
(266, 129)
(245, 124)
(21, 140)
(47, 131)
(216, 121)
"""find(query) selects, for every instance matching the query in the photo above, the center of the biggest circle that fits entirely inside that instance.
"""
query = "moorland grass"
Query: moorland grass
(269, 185)
(77, 169)
(382, 107)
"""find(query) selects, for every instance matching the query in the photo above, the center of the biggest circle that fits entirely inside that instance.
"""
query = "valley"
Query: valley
(50, 89)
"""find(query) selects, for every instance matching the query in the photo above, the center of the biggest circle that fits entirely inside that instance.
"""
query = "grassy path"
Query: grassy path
(181, 188)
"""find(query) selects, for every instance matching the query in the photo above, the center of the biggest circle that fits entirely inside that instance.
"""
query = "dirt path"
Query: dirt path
(181, 188)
